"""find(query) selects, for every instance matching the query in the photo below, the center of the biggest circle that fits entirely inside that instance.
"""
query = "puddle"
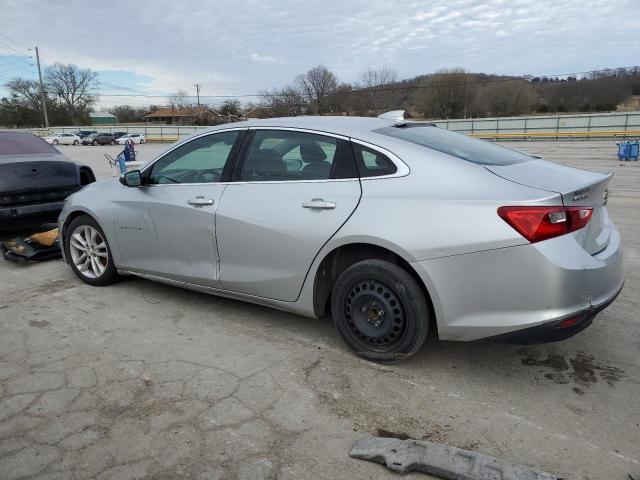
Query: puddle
(581, 369)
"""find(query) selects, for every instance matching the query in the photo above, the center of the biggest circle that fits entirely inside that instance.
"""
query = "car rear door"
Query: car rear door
(167, 227)
(292, 191)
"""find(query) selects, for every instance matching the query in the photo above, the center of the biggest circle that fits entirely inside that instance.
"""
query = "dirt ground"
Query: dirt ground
(141, 380)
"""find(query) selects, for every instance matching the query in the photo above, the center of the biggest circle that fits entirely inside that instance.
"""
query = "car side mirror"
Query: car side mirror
(131, 179)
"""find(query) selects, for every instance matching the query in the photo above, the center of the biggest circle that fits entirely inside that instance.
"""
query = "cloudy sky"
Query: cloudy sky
(233, 47)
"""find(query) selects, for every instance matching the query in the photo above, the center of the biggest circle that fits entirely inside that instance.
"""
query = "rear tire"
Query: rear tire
(56, 143)
(380, 311)
(94, 143)
(75, 142)
(88, 252)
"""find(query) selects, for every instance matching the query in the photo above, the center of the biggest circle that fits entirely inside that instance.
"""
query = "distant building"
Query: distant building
(102, 118)
(189, 116)
(259, 113)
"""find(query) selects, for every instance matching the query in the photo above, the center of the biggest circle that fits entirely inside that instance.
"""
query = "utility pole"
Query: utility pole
(197, 85)
(44, 97)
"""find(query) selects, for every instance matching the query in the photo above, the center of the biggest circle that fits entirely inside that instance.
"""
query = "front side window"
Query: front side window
(200, 160)
(280, 155)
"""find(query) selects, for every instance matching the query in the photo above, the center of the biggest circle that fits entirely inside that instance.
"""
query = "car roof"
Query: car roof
(356, 127)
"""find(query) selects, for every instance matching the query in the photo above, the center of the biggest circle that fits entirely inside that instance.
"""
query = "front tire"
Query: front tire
(88, 252)
(380, 311)
(141, 141)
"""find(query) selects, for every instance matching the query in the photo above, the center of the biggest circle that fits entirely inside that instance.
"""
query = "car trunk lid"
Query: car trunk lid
(576, 186)
(27, 174)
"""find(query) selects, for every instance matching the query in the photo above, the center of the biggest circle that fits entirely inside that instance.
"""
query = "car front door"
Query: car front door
(292, 191)
(166, 227)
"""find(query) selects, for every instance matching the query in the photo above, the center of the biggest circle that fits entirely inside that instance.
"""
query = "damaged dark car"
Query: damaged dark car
(35, 180)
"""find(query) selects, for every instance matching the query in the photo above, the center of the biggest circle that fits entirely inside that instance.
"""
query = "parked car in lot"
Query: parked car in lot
(84, 133)
(394, 227)
(62, 139)
(99, 139)
(117, 135)
(136, 137)
(35, 179)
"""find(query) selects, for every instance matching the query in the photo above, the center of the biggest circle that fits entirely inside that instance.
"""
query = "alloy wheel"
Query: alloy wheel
(89, 251)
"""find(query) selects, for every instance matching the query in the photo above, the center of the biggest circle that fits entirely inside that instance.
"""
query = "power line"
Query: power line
(13, 41)
(13, 50)
(16, 66)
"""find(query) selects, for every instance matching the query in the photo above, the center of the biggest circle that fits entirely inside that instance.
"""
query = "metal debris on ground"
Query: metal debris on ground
(444, 461)
(37, 247)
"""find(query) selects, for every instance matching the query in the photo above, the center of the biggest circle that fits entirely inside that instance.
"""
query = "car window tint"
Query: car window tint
(24, 144)
(200, 160)
(372, 163)
(278, 155)
(455, 144)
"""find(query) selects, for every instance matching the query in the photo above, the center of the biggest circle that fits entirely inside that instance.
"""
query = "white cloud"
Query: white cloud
(256, 57)
(244, 46)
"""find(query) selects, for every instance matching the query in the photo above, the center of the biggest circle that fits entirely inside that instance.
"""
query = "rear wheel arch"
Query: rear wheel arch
(344, 256)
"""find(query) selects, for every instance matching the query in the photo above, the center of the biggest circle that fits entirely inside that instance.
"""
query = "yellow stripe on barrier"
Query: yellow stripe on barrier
(162, 138)
(592, 134)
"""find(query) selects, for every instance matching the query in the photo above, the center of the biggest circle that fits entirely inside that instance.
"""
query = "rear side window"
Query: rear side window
(455, 144)
(372, 163)
(24, 144)
(283, 155)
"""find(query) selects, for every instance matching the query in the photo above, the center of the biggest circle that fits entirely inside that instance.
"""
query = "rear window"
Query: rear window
(455, 144)
(24, 144)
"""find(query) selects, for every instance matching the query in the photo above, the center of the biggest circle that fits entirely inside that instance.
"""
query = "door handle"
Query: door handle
(319, 204)
(200, 201)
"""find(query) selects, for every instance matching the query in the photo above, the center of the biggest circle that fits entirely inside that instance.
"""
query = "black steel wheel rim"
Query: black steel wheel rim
(375, 314)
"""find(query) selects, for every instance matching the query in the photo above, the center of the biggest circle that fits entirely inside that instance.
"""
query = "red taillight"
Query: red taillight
(541, 223)
(569, 322)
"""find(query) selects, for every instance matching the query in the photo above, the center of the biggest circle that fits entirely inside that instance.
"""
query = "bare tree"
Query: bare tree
(444, 94)
(230, 108)
(286, 102)
(75, 88)
(375, 80)
(508, 98)
(178, 100)
(315, 86)
(27, 91)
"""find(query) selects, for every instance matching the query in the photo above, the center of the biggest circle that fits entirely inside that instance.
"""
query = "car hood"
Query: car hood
(28, 173)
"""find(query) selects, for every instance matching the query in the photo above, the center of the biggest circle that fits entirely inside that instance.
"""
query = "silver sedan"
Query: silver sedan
(393, 227)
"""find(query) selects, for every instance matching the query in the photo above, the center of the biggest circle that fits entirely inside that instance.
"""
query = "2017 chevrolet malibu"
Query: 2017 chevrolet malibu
(392, 226)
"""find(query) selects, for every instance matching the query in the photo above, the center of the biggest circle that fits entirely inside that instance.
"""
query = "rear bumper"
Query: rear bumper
(553, 331)
(29, 215)
(524, 291)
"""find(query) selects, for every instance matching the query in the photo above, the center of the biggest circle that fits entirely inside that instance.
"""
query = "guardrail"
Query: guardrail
(544, 127)
(586, 126)
(599, 134)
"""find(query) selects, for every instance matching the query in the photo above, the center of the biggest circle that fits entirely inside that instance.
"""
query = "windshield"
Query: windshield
(24, 144)
(455, 144)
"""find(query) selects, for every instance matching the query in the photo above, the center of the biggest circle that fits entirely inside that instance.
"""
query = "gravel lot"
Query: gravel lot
(141, 380)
